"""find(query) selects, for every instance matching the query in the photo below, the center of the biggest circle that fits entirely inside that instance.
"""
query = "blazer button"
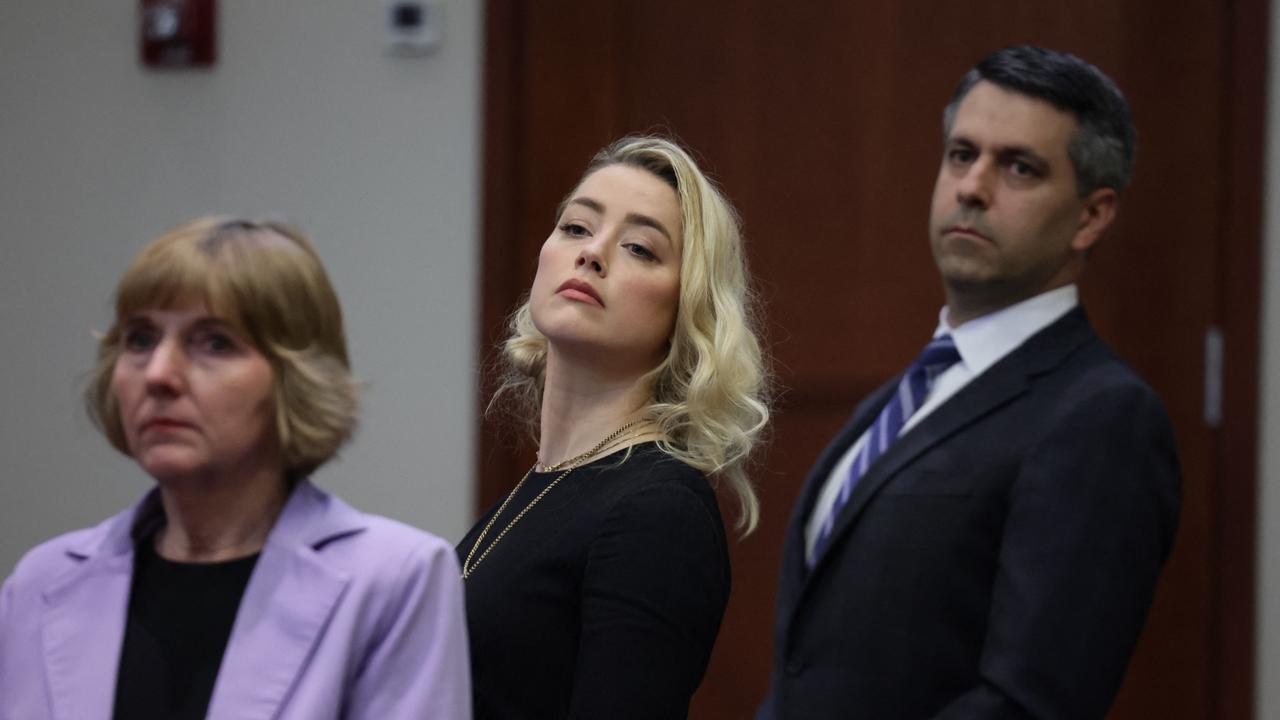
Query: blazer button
(795, 666)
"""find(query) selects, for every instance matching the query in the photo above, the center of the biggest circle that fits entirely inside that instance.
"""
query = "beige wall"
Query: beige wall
(305, 116)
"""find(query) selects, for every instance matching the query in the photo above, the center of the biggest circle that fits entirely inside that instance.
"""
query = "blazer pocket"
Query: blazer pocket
(930, 483)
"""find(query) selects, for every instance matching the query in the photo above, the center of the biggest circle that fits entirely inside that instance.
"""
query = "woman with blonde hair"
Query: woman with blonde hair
(596, 587)
(235, 588)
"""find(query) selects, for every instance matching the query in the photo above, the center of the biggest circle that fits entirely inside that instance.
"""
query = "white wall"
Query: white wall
(305, 116)
(1268, 598)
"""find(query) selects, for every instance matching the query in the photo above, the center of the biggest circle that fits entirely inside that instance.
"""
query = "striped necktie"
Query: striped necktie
(937, 356)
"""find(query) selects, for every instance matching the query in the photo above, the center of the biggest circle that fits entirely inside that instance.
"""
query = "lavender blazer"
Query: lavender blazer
(347, 615)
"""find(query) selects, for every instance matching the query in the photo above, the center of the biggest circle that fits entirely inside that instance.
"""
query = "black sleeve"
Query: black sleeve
(654, 592)
(1091, 521)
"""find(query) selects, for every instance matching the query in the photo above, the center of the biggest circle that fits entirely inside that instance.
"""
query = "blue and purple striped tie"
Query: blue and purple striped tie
(937, 356)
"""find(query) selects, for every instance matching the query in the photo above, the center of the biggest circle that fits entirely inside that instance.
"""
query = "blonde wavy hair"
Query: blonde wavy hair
(710, 395)
(265, 280)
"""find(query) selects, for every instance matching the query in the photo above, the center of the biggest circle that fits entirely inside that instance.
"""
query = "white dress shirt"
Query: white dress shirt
(981, 342)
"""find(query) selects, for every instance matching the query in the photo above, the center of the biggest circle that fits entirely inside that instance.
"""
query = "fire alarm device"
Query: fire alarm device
(414, 27)
(177, 33)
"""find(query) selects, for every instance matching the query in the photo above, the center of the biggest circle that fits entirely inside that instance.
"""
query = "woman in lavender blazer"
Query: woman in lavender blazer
(235, 588)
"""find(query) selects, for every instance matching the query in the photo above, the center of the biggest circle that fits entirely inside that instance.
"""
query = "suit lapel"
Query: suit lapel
(85, 613)
(82, 633)
(285, 609)
(862, 417)
(1001, 383)
(979, 398)
(794, 568)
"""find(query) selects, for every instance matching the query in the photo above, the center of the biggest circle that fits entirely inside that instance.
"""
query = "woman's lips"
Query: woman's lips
(580, 291)
(163, 425)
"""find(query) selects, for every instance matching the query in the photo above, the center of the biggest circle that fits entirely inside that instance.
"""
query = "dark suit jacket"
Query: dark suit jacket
(998, 561)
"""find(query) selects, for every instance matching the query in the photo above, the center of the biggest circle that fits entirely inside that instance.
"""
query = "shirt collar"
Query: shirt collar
(982, 341)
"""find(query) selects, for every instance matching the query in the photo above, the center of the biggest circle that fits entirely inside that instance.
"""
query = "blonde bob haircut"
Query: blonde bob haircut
(710, 394)
(266, 281)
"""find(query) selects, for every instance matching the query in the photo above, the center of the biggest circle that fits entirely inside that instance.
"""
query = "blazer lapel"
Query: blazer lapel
(1007, 379)
(285, 609)
(960, 411)
(84, 619)
(794, 568)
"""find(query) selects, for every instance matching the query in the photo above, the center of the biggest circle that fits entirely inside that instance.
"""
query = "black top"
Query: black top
(605, 599)
(180, 617)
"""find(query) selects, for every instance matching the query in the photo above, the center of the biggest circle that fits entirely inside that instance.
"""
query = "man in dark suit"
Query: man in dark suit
(983, 539)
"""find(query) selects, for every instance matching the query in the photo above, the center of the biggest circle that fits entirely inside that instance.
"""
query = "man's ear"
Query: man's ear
(1095, 217)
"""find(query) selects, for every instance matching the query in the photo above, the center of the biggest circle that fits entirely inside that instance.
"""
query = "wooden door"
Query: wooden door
(822, 120)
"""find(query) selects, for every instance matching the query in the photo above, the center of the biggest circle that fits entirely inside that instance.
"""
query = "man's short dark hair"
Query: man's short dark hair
(1103, 147)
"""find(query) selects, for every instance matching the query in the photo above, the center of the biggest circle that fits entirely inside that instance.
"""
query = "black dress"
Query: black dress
(605, 599)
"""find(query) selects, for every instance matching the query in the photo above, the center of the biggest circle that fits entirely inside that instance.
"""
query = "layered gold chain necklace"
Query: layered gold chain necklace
(572, 464)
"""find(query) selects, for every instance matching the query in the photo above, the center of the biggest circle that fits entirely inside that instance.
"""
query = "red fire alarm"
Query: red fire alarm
(178, 33)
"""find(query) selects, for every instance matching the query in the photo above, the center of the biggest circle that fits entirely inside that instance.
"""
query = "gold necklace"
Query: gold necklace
(468, 567)
(537, 465)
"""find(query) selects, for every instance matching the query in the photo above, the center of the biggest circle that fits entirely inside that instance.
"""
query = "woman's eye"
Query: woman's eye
(216, 343)
(139, 339)
(573, 229)
(640, 251)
